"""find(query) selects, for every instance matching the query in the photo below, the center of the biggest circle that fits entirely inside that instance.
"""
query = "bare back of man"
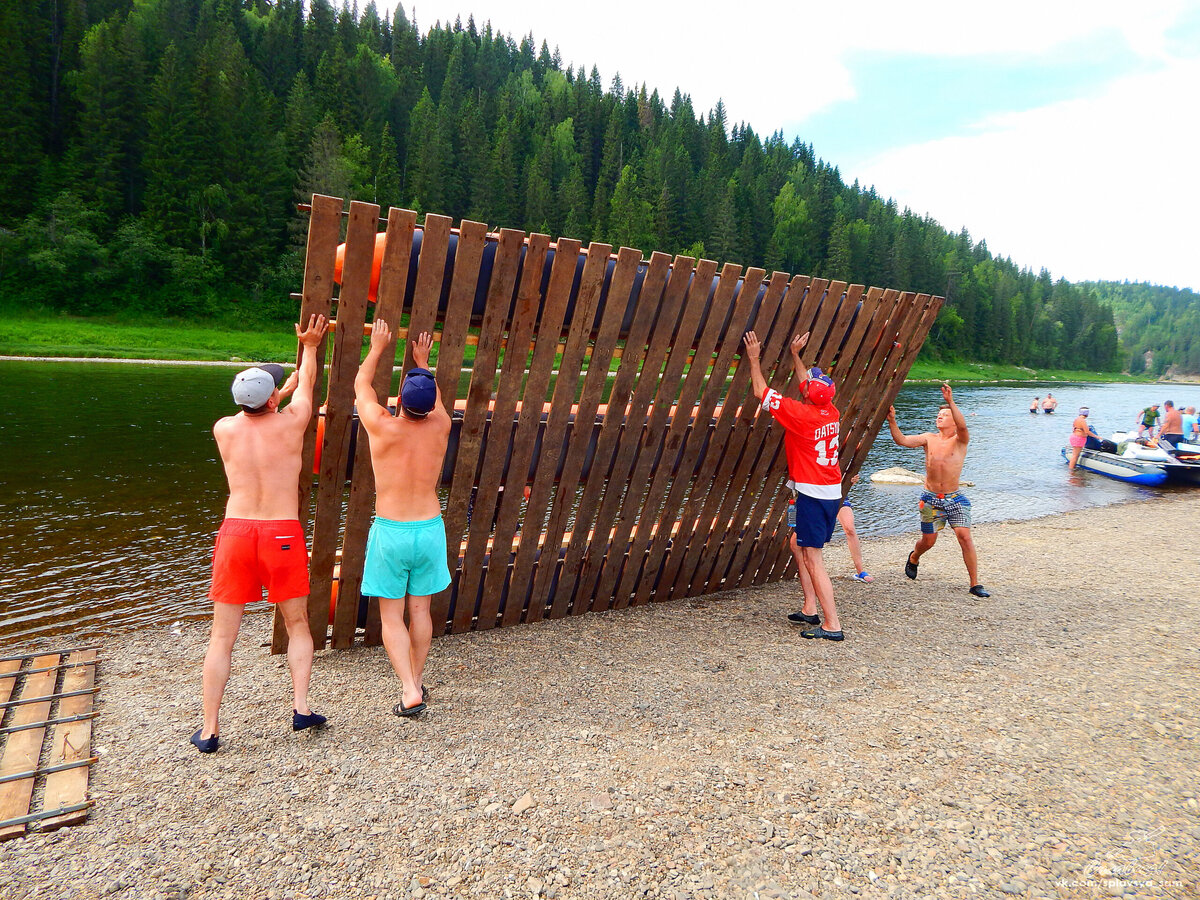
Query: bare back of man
(260, 450)
(406, 550)
(942, 502)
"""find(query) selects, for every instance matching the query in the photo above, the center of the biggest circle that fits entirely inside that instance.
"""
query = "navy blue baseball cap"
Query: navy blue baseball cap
(419, 392)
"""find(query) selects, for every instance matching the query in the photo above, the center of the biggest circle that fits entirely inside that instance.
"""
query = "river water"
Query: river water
(111, 488)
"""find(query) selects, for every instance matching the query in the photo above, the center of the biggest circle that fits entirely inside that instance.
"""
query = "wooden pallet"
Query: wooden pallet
(46, 739)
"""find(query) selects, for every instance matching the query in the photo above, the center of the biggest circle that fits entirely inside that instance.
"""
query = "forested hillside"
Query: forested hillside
(152, 154)
(1159, 326)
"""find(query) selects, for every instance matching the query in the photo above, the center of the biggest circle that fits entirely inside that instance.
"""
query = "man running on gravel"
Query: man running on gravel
(406, 549)
(942, 502)
(261, 542)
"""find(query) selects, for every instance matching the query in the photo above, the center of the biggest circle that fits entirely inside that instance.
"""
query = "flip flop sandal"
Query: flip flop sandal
(407, 712)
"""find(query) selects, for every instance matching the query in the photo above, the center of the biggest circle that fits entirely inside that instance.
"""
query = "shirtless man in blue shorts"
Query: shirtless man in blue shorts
(942, 502)
(406, 549)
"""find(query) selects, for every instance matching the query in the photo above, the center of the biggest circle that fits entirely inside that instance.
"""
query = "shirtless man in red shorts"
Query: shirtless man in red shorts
(261, 542)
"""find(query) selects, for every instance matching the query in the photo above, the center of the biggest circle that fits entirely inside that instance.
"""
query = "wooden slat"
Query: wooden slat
(876, 346)
(581, 435)
(684, 442)
(347, 351)
(799, 310)
(887, 346)
(468, 259)
(490, 482)
(479, 395)
(639, 510)
(697, 516)
(645, 315)
(7, 684)
(673, 338)
(537, 385)
(69, 743)
(389, 306)
(911, 347)
(528, 562)
(324, 233)
(603, 562)
(734, 431)
(23, 749)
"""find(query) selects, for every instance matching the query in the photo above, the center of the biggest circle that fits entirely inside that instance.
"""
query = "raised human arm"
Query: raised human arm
(799, 342)
(306, 376)
(753, 351)
(960, 423)
(369, 407)
(420, 352)
(911, 441)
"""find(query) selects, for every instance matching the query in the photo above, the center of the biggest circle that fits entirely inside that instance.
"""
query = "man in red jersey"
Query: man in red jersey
(810, 441)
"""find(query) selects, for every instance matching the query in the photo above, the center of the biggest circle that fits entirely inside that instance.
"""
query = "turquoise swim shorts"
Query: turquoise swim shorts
(405, 558)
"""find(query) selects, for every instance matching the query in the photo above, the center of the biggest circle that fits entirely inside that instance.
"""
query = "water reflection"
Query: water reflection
(111, 490)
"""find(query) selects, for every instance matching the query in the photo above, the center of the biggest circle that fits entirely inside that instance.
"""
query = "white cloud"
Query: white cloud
(1103, 187)
(1098, 188)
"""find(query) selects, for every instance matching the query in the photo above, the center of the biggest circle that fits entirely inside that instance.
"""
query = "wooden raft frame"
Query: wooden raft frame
(44, 697)
(670, 486)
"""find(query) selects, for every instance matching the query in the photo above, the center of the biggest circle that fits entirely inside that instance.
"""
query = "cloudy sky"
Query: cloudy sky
(1066, 134)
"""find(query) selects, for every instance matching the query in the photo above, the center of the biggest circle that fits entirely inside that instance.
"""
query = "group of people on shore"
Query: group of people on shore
(811, 441)
(261, 544)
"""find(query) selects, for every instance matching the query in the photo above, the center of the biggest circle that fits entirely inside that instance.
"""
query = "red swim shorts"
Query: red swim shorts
(253, 554)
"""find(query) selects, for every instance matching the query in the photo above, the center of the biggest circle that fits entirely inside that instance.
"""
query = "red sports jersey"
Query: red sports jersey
(810, 440)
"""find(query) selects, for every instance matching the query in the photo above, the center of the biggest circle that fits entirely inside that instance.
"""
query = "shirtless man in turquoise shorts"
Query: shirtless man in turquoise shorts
(942, 502)
(406, 549)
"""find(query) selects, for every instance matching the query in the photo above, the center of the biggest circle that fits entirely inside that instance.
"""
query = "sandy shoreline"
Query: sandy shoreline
(1042, 743)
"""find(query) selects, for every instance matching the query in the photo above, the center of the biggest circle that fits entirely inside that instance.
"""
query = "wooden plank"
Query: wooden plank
(324, 233)
(734, 429)
(479, 395)
(490, 482)
(524, 440)
(581, 435)
(347, 351)
(464, 282)
(886, 345)
(911, 345)
(389, 306)
(697, 401)
(645, 315)
(846, 371)
(638, 511)
(604, 561)
(23, 749)
(876, 346)
(796, 315)
(528, 561)
(69, 743)
(8, 667)
(696, 520)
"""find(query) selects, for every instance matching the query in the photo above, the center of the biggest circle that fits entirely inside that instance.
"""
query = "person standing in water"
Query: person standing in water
(942, 502)
(1049, 405)
(1079, 436)
(1035, 405)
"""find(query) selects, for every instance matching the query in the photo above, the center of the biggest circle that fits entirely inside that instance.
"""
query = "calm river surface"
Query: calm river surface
(111, 488)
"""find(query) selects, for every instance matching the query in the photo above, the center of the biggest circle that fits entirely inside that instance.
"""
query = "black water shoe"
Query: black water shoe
(910, 568)
(799, 618)
(309, 720)
(820, 632)
(205, 744)
(979, 591)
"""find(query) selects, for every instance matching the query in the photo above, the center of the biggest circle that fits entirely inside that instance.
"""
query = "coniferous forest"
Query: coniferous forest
(152, 154)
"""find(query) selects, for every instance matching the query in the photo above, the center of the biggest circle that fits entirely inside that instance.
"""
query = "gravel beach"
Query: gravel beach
(1042, 743)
